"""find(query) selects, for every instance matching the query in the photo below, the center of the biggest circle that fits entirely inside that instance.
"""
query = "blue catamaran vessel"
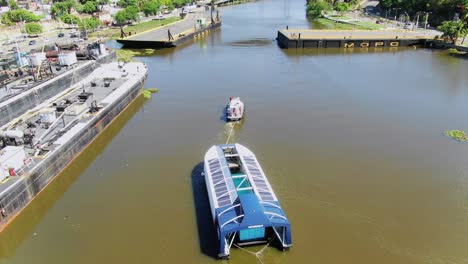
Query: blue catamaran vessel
(244, 207)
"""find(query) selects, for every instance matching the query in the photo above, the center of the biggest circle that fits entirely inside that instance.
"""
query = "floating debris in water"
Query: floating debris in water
(457, 135)
(152, 90)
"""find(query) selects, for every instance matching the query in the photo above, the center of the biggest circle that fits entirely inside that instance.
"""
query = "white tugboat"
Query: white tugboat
(234, 109)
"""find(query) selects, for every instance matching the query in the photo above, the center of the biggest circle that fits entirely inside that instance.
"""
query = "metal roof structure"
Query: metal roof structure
(242, 201)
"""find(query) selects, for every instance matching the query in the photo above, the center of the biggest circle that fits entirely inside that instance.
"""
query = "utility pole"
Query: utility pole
(417, 22)
(212, 7)
(425, 22)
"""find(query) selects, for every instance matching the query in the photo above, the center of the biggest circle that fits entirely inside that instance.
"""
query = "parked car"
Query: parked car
(73, 35)
(408, 26)
(32, 42)
(61, 35)
(14, 49)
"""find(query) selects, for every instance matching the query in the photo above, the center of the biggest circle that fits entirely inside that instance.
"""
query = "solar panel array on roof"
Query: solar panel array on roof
(258, 178)
(219, 183)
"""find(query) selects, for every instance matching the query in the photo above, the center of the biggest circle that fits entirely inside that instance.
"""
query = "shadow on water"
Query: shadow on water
(255, 42)
(14, 234)
(206, 231)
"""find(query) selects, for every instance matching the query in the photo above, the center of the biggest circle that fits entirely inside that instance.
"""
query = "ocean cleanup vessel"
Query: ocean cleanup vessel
(244, 208)
(36, 146)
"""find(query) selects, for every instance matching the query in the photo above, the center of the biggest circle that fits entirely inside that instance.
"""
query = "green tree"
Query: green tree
(315, 8)
(89, 24)
(70, 19)
(125, 16)
(13, 5)
(3, 3)
(60, 8)
(341, 6)
(126, 3)
(453, 29)
(19, 15)
(89, 7)
(33, 28)
(150, 8)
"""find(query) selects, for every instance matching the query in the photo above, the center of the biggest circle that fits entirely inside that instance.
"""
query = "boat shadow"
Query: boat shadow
(206, 230)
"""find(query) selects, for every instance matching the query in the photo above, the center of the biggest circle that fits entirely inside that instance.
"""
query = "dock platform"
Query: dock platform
(309, 38)
(173, 34)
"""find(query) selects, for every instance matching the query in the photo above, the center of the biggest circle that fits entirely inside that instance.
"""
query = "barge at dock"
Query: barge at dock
(191, 27)
(311, 38)
(38, 145)
(244, 208)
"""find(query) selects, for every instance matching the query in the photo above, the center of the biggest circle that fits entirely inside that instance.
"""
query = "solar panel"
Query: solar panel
(258, 178)
(219, 183)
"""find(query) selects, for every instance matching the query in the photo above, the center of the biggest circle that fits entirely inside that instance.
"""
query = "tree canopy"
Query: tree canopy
(60, 8)
(33, 28)
(89, 7)
(19, 15)
(440, 10)
(69, 19)
(126, 15)
(453, 29)
(89, 24)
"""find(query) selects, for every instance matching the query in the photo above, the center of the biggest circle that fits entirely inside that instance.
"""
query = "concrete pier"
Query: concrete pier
(307, 38)
(171, 35)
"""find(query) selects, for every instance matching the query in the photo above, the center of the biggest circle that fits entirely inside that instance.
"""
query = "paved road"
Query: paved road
(160, 34)
(48, 38)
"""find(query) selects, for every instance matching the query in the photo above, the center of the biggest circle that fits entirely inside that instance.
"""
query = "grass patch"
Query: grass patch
(457, 135)
(368, 25)
(330, 24)
(138, 28)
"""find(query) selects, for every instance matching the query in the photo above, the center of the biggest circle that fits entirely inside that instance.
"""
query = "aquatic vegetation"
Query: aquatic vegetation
(147, 93)
(457, 135)
(127, 55)
(455, 52)
(152, 90)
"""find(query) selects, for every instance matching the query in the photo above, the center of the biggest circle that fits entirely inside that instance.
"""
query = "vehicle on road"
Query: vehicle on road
(73, 36)
(14, 49)
(408, 26)
(32, 42)
(61, 35)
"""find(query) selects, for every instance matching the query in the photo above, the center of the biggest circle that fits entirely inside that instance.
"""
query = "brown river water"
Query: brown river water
(352, 143)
